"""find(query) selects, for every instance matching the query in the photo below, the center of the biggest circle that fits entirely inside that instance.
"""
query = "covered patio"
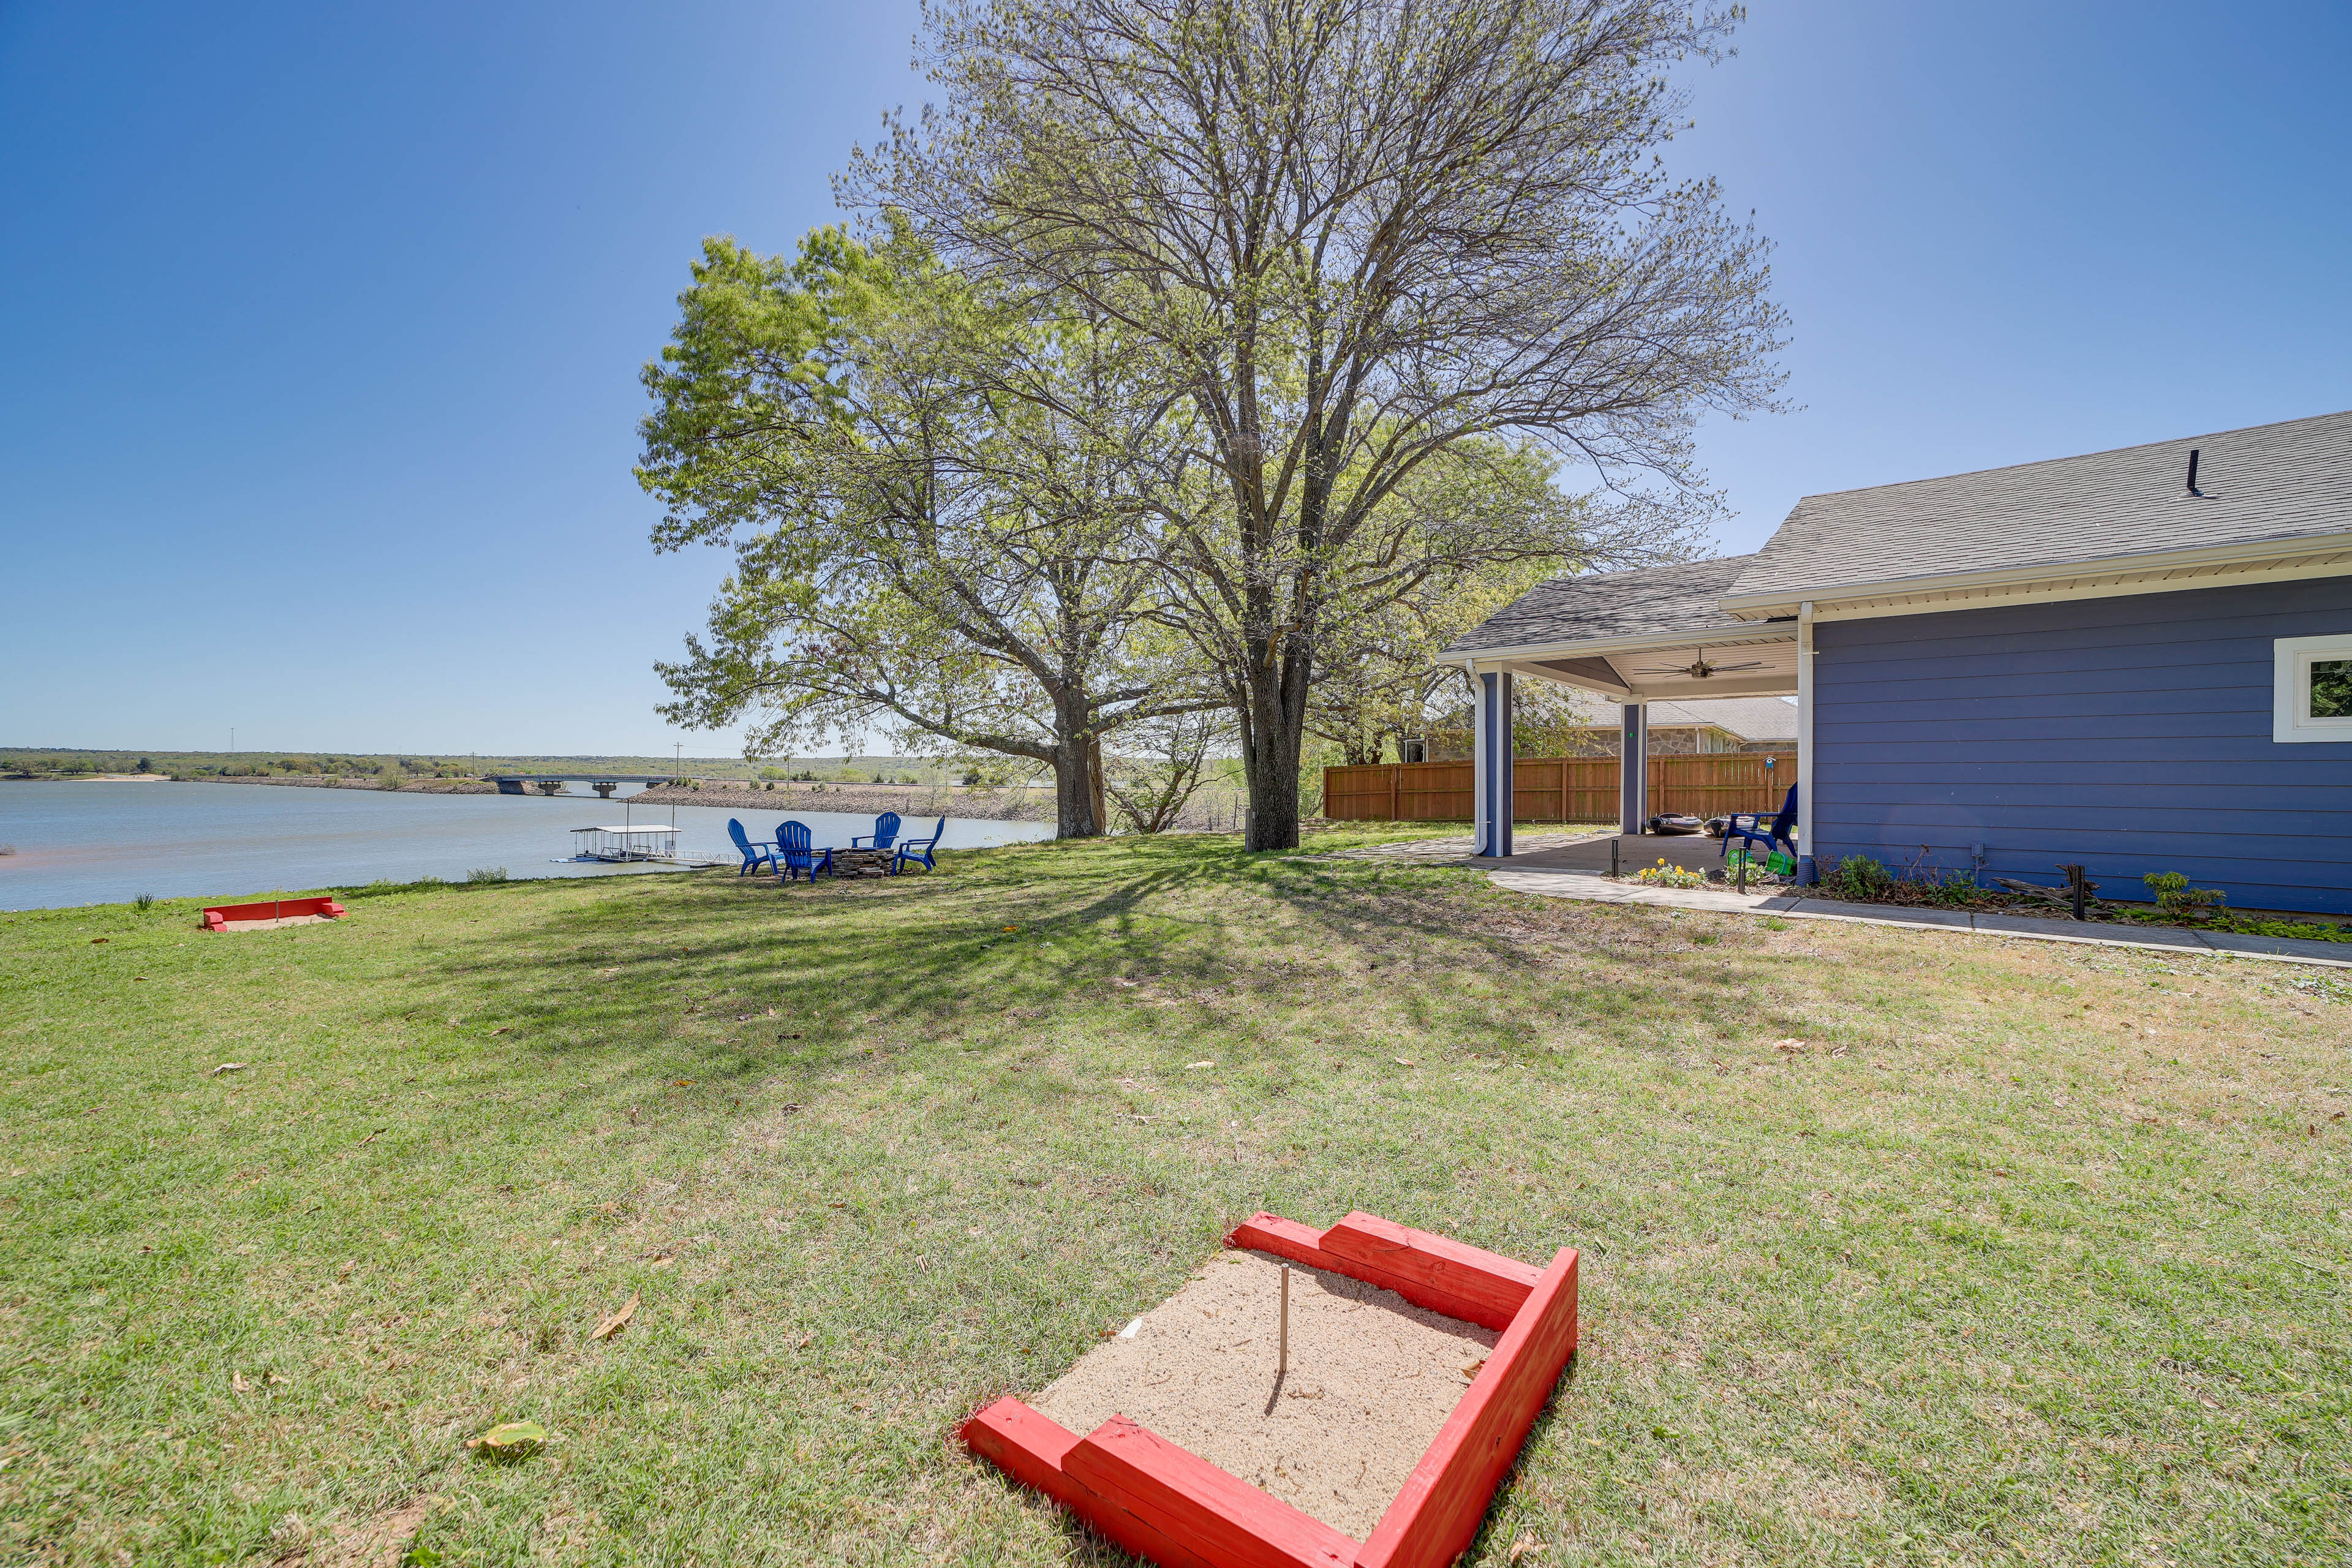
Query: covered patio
(1632, 637)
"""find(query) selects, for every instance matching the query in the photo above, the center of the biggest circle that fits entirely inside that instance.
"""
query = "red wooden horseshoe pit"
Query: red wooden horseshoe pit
(1158, 1501)
(271, 912)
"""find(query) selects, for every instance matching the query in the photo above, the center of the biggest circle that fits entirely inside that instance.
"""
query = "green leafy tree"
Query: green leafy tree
(921, 484)
(1355, 235)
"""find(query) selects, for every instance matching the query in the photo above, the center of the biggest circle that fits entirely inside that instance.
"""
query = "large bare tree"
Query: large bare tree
(1358, 234)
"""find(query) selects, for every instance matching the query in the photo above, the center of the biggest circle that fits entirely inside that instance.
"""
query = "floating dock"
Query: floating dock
(627, 843)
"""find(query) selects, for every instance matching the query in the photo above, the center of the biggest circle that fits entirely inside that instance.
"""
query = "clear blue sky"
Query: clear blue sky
(321, 325)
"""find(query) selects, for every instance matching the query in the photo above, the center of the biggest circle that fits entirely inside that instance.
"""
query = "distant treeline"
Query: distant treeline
(64, 762)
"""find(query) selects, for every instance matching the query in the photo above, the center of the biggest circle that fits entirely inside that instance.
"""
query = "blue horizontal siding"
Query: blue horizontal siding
(2131, 734)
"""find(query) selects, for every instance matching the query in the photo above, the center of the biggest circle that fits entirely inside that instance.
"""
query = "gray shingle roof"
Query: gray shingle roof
(1613, 605)
(1749, 718)
(2270, 482)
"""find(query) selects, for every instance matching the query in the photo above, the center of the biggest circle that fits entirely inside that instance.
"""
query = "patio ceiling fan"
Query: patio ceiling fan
(1701, 668)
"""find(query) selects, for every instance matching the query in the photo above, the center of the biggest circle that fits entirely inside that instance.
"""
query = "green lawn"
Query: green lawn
(1899, 1246)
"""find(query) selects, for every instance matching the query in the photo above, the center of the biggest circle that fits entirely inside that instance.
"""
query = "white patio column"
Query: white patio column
(1633, 769)
(1807, 872)
(1492, 756)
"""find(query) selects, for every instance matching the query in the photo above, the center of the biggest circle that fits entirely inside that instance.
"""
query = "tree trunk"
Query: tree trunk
(1094, 790)
(1078, 764)
(1274, 731)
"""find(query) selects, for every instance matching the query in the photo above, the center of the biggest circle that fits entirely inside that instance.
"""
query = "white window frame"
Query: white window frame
(2291, 658)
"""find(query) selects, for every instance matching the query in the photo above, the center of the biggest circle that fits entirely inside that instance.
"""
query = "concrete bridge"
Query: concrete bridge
(552, 784)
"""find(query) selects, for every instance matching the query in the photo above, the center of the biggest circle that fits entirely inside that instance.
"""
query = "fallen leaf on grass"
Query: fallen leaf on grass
(278, 1380)
(227, 1066)
(661, 1260)
(681, 1083)
(96, 940)
(1402, 1061)
(1526, 1546)
(802, 1342)
(1192, 1065)
(369, 1139)
(511, 1441)
(343, 1270)
(236, 1384)
(618, 1322)
(502, 1028)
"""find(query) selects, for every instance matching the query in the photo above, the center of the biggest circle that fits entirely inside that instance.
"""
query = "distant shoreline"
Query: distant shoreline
(1009, 804)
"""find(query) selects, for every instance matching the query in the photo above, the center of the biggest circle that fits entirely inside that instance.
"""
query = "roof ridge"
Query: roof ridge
(2070, 457)
(1657, 566)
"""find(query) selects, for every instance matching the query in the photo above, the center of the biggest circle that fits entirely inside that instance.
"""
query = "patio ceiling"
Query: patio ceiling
(1761, 664)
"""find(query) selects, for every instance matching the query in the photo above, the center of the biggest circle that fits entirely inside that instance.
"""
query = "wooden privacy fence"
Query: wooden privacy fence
(1558, 789)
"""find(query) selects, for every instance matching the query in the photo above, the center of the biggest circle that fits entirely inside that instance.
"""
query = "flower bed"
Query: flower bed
(1859, 878)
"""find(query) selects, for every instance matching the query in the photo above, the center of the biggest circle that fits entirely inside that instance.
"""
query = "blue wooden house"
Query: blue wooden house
(2137, 660)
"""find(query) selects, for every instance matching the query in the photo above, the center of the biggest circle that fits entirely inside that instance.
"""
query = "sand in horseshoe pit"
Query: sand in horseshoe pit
(1372, 1379)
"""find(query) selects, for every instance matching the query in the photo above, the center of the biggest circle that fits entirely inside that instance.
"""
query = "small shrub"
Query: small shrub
(1939, 887)
(143, 902)
(487, 874)
(2176, 898)
(1858, 877)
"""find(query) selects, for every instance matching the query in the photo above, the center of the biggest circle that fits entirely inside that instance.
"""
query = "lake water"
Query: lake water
(108, 843)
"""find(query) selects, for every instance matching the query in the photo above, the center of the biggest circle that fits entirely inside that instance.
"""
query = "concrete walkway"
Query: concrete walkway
(1554, 881)
(1456, 851)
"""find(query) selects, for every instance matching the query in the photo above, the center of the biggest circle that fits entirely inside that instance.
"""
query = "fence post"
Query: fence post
(1393, 773)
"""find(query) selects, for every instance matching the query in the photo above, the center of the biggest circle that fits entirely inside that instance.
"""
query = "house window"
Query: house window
(2312, 695)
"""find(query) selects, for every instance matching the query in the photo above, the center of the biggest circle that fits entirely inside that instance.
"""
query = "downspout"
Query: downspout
(1807, 871)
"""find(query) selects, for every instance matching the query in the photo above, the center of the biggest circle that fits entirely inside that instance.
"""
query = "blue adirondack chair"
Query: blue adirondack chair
(1748, 826)
(886, 830)
(913, 850)
(754, 854)
(794, 856)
